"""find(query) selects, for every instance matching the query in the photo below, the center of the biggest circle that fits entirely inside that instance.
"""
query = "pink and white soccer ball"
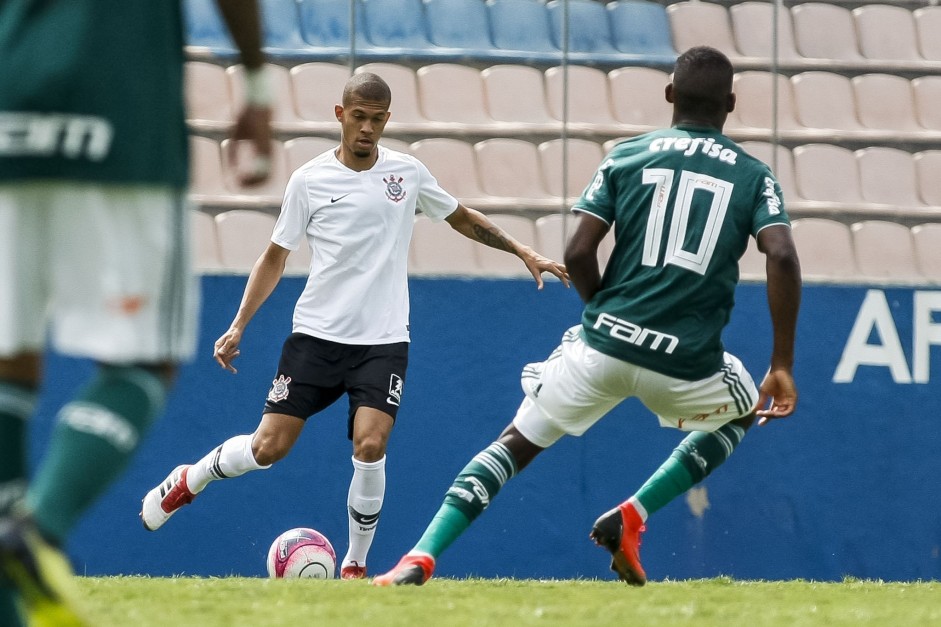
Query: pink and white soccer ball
(301, 552)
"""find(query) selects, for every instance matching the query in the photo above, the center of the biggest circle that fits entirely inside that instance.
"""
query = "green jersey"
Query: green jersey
(92, 90)
(683, 203)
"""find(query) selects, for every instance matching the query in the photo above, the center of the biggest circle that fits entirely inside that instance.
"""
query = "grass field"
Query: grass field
(237, 602)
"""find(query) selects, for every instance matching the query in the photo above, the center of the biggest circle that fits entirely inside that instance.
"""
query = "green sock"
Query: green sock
(697, 455)
(468, 497)
(9, 609)
(17, 404)
(95, 437)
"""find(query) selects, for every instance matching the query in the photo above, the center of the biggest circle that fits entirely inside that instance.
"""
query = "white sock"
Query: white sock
(364, 504)
(230, 459)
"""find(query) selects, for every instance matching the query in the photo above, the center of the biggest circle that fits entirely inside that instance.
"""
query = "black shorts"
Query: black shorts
(313, 373)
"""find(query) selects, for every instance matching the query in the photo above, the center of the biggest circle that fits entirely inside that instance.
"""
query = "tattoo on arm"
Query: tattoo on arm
(493, 237)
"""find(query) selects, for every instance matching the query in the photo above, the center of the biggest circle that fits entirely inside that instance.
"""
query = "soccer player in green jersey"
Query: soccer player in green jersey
(683, 203)
(94, 255)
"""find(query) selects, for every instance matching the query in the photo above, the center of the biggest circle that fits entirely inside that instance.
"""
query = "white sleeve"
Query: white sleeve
(291, 228)
(433, 201)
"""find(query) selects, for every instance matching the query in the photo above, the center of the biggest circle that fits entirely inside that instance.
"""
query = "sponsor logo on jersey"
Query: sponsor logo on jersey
(279, 389)
(690, 146)
(395, 390)
(774, 203)
(637, 335)
(55, 135)
(394, 190)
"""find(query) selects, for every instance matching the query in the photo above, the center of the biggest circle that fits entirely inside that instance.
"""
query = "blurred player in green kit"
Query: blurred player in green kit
(94, 255)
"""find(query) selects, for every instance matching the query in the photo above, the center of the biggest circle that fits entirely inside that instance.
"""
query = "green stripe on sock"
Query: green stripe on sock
(17, 404)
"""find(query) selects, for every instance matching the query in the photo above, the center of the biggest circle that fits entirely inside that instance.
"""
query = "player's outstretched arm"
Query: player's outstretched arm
(476, 226)
(784, 296)
(253, 122)
(264, 277)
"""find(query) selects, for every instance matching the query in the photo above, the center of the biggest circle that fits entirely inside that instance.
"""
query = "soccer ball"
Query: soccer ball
(301, 552)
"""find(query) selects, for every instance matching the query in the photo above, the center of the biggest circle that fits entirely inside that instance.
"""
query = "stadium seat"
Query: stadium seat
(752, 31)
(205, 33)
(754, 108)
(781, 162)
(270, 192)
(243, 236)
(589, 99)
(510, 171)
(325, 25)
(886, 102)
(207, 183)
(825, 248)
(407, 116)
(205, 242)
(927, 166)
(316, 88)
(751, 267)
(437, 249)
(637, 98)
(522, 26)
(826, 32)
(583, 155)
(282, 30)
(925, 238)
(516, 94)
(398, 29)
(463, 26)
(284, 117)
(826, 173)
(928, 28)
(695, 23)
(208, 97)
(454, 95)
(887, 33)
(641, 29)
(826, 103)
(589, 32)
(300, 150)
(553, 232)
(499, 263)
(887, 176)
(884, 250)
(927, 94)
(453, 163)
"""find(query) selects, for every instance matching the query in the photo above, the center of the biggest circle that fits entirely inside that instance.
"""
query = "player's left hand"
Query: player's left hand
(254, 126)
(777, 395)
(537, 264)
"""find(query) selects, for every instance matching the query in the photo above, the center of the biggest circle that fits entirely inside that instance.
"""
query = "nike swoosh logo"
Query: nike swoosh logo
(333, 200)
(391, 401)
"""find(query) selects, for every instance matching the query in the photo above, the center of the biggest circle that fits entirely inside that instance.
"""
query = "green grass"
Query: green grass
(237, 602)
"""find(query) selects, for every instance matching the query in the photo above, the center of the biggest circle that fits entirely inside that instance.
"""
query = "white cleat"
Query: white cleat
(164, 500)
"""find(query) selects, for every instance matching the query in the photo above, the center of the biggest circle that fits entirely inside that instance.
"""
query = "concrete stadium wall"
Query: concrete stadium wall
(847, 487)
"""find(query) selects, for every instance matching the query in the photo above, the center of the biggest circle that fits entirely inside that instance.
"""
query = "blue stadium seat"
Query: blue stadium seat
(325, 25)
(463, 26)
(642, 28)
(205, 31)
(589, 32)
(398, 29)
(522, 26)
(282, 29)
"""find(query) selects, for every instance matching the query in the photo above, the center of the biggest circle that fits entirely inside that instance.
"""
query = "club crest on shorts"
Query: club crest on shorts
(279, 389)
(394, 189)
(395, 390)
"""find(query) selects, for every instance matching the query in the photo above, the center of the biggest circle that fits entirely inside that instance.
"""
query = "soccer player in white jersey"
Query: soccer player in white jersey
(94, 254)
(683, 203)
(355, 205)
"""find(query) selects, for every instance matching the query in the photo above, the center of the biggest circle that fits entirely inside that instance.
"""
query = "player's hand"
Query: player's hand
(253, 125)
(777, 395)
(537, 264)
(227, 349)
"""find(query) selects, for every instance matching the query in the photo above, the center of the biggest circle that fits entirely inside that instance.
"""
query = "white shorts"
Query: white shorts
(577, 385)
(104, 270)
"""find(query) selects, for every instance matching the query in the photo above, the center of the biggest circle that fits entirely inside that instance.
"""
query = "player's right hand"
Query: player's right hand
(227, 349)
(253, 126)
(777, 396)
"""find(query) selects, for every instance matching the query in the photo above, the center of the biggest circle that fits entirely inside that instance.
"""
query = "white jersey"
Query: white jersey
(358, 226)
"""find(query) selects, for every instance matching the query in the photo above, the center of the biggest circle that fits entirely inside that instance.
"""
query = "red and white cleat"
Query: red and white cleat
(412, 570)
(164, 500)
